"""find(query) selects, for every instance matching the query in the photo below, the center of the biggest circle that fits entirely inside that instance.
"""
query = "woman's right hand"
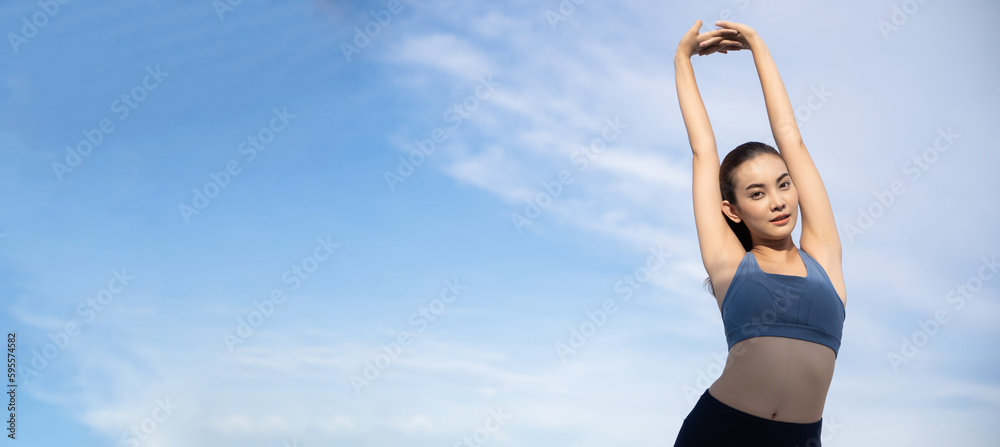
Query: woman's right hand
(720, 40)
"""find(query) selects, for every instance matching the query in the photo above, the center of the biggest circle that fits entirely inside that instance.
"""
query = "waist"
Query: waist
(777, 378)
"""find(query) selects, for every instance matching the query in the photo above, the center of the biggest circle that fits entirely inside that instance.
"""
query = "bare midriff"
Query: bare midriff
(777, 378)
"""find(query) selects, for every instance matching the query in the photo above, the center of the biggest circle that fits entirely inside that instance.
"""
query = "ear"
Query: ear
(731, 211)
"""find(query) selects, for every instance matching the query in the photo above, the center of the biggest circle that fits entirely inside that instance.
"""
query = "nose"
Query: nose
(777, 202)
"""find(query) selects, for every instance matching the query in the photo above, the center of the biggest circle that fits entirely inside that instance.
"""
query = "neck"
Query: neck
(781, 250)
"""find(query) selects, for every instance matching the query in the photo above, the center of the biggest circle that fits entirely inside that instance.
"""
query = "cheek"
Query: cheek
(761, 213)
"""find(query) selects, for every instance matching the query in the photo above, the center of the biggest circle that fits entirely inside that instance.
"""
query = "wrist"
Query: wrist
(755, 42)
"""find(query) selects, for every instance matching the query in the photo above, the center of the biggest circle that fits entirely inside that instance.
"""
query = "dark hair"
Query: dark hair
(727, 183)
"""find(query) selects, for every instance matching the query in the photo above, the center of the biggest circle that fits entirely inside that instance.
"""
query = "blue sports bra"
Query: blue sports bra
(761, 304)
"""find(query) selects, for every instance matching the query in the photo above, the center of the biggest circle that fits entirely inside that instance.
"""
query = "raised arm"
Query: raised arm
(699, 129)
(718, 244)
(779, 108)
(819, 231)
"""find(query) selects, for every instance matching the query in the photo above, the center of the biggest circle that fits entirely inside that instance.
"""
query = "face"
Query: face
(764, 190)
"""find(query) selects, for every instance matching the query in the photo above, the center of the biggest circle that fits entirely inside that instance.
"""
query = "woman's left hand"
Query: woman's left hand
(738, 32)
(721, 44)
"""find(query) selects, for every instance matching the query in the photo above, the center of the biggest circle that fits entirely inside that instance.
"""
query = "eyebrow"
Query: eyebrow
(761, 185)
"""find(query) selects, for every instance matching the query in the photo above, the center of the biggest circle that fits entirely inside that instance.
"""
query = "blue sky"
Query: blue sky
(530, 277)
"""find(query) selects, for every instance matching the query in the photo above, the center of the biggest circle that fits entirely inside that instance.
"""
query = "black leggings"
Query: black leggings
(712, 423)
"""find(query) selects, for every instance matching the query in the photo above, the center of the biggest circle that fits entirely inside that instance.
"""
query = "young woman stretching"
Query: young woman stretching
(783, 308)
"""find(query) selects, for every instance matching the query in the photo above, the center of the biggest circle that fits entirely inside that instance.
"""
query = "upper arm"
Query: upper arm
(819, 230)
(719, 245)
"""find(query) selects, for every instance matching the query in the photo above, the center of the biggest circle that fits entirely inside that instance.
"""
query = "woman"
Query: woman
(782, 307)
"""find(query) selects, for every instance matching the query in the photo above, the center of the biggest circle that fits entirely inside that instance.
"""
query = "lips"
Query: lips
(779, 218)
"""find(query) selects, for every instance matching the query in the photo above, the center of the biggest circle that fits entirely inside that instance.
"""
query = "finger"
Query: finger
(730, 25)
(718, 32)
(718, 49)
(722, 43)
(711, 41)
(696, 27)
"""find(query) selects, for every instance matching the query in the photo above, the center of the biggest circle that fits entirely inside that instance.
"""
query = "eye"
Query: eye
(786, 182)
(754, 195)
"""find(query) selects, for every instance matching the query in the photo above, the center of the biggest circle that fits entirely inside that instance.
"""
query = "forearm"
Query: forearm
(699, 129)
(779, 108)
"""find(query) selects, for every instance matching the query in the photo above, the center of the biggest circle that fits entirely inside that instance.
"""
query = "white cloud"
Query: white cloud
(446, 53)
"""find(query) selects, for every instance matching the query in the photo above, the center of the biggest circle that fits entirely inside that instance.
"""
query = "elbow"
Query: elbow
(705, 155)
